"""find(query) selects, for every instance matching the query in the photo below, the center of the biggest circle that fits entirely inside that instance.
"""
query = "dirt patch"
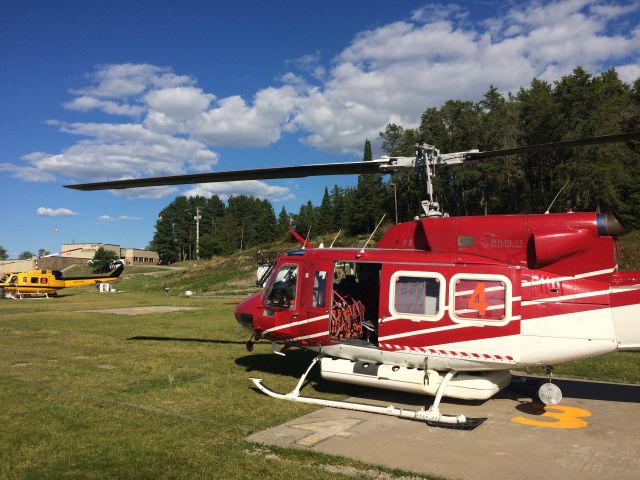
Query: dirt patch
(143, 310)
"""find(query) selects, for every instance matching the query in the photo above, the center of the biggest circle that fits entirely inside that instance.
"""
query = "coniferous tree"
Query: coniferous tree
(283, 223)
(326, 221)
(604, 177)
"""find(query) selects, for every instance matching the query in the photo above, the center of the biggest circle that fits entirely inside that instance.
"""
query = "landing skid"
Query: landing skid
(431, 416)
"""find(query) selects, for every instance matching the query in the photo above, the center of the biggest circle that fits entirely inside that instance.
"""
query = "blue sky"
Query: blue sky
(92, 91)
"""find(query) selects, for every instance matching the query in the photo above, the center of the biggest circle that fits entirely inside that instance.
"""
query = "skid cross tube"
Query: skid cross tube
(432, 415)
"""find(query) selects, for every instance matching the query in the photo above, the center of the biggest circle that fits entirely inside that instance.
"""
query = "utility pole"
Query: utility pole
(395, 199)
(242, 236)
(197, 219)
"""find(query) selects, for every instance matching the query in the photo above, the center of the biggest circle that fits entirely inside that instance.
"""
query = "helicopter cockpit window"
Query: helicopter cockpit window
(282, 292)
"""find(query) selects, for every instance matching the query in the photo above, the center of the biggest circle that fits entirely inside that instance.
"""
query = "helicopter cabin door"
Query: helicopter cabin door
(354, 298)
(318, 282)
(283, 298)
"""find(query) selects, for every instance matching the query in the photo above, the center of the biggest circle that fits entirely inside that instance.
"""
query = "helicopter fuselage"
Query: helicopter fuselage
(49, 282)
(464, 294)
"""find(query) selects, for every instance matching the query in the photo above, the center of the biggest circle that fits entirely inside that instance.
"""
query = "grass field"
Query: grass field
(95, 395)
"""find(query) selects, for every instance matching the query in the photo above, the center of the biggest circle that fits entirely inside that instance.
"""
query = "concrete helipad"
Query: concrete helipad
(593, 434)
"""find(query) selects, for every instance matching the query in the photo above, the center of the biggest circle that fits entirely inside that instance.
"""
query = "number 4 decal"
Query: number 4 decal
(477, 300)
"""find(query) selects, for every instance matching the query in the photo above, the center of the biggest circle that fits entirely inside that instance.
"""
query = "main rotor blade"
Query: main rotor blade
(298, 171)
(621, 137)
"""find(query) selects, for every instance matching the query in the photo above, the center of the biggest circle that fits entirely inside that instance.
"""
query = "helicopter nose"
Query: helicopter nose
(245, 312)
(245, 319)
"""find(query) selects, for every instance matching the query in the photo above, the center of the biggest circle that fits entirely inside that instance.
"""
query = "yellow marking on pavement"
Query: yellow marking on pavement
(559, 416)
(325, 430)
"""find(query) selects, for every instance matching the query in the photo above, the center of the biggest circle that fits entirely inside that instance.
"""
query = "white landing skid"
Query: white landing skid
(432, 416)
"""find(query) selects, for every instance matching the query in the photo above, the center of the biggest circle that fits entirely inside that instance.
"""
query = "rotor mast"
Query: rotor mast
(427, 157)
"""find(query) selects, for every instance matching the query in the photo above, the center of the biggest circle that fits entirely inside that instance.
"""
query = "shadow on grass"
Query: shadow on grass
(178, 339)
(294, 365)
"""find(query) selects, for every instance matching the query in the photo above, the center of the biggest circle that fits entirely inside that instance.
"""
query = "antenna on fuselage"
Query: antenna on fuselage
(306, 240)
(372, 233)
(335, 238)
(556, 197)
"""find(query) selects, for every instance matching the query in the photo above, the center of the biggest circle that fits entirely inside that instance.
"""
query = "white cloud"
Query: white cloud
(127, 79)
(233, 122)
(28, 174)
(150, 193)
(249, 187)
(86, 103)
(120, 218)
(58, 212)
(392, 73)
(179, 103)
(629, 73)
(118, 151)
(386, 74)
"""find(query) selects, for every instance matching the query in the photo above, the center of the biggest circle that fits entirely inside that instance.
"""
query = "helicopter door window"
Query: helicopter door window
(320, 289)
(417, 295)
(34, 279)
(43, 280)
(282, 292)
(484, 299)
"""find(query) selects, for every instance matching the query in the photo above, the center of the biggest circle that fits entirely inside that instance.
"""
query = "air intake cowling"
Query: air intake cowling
(550, 246)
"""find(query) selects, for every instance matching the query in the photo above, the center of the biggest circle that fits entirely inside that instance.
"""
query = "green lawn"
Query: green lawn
(95, 395)
(90, 395)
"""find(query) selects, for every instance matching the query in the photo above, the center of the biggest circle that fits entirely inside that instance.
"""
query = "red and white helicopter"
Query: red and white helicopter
(441, 305)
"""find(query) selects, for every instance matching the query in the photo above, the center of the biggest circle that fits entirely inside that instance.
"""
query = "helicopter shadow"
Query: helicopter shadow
(179, 339)
(297, 361)
(294, 365)
(573, 388)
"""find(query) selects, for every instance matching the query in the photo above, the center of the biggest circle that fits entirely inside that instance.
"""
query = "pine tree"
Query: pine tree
(369, 198)
(283, 223)
(326, 222)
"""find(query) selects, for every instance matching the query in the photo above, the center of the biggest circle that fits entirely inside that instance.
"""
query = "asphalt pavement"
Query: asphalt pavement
(594, 433)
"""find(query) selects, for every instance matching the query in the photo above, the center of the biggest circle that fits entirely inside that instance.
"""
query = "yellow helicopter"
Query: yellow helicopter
(42, 282)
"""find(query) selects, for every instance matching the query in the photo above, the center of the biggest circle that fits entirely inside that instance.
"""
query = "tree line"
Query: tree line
(590, 178)
(25, 255)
